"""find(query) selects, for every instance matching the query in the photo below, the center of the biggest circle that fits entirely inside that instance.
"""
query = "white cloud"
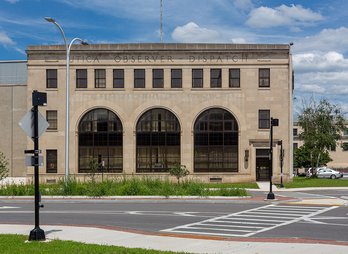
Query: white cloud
(5, 39)
(238, 40)
(311, 88)
(191, 32)
(317, 61)
(283, 15)
(326, 40)
(12, 1)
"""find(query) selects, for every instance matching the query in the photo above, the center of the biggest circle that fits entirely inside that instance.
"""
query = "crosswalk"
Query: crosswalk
(250, 222)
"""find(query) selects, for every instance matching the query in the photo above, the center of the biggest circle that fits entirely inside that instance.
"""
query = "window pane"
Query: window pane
(100, 138)
(197, 78)
(215, 78)
(216, 142)
(157, 141)
(81, 78)
(264, 119)
(51, 78)
(51, 117)
(234, 77)
(100, 80)
(139, 78)
(157, 78)
(51, 161)
(176, 81)
(264, 77)
(118, 76)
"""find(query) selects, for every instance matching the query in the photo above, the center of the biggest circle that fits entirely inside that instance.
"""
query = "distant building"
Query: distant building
(13, 105)
(338, 153)
(139, 109)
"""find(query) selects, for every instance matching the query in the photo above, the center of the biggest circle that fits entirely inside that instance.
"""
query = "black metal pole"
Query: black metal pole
(281, 164)
(37, 234)
(270, 195)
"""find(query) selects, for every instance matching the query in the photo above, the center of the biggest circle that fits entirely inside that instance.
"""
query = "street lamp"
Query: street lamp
(67, 113)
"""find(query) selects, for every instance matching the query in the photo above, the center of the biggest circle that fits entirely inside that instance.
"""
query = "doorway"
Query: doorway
(262, 164)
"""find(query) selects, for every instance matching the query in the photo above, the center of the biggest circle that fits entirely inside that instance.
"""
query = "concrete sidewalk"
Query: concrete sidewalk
(170, 243)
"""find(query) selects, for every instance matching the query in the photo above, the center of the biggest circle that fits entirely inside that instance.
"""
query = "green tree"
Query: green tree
(302, 157)
(179, 171)
(322, 124)
(3, 166)
(93, 168)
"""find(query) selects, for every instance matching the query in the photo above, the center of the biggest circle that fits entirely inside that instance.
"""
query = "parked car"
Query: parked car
(328, 173)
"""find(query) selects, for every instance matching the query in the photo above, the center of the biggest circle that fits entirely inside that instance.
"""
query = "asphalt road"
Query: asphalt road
(227, 218)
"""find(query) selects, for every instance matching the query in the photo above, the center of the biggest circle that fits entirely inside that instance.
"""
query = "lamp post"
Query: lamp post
(67, 112)
(274, 122)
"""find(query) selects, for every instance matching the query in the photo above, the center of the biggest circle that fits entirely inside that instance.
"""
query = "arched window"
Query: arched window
(100, 138)
(158, 141)
(216, 142)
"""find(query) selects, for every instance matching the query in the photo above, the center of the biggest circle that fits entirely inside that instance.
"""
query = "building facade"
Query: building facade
(338, 153)
(140, 109)
(13, 105)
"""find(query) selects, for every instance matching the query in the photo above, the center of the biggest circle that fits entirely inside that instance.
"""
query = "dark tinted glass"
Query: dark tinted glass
(51, 78)
(81, 78)
(139, 78)
(216, 142)
(197, 78)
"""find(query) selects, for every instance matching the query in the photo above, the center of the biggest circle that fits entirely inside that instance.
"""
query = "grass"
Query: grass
(232, 185)
(304, 182)
(10, 244)
(126, 187)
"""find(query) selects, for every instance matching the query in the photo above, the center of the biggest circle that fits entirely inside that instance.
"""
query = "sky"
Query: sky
(318, 29)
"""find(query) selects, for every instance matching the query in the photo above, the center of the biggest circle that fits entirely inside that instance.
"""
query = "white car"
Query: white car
(328, 173)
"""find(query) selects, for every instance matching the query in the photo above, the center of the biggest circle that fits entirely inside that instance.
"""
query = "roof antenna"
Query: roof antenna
(161, 18)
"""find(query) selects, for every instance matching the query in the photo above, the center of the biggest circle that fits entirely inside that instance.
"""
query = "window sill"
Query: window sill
(51, 89)
(98, 89)
(56, 130)
(217, 89)
(263, 130)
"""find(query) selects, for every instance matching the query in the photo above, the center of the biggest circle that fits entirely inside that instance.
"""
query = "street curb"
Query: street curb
(133, 197)
(284, 240)
(301, 189)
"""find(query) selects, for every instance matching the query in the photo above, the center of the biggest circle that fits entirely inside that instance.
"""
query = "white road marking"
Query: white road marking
(136, 213)
(8, 207)
(266, 218)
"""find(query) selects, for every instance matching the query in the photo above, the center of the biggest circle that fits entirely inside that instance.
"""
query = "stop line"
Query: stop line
(250, 222)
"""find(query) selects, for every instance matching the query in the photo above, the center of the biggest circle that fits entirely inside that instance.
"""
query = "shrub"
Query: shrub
(3, 166)
(179, 171)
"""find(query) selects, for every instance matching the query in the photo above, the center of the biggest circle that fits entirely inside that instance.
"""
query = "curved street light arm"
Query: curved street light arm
(67, 91)
(51, 20)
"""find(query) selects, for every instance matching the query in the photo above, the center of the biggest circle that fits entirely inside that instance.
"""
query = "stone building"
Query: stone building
(338, 153)
(139, 109)
(13, 105)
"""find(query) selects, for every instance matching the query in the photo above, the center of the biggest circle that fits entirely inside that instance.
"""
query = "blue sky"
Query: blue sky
(318, 29)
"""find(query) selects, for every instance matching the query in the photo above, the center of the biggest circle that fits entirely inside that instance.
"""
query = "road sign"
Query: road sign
(30, 160)
(27, 124)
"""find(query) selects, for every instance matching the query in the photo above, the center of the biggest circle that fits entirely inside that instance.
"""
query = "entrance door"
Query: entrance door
(262, 164)
(262, 169)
